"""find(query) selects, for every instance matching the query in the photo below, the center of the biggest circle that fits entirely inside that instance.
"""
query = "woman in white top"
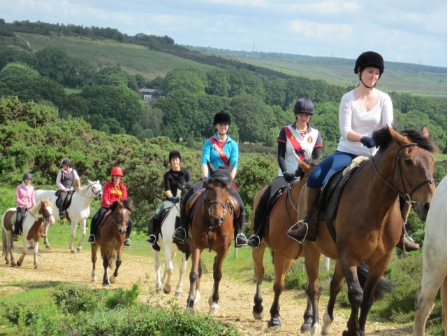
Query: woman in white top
(361, 112)
(296, 140)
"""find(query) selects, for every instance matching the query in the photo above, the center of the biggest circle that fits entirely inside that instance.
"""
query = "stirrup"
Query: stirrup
(257, 244)
(91, 239)
(243, 239)
(176, 235)
(151, 239)
(289, 234)
(127, 242)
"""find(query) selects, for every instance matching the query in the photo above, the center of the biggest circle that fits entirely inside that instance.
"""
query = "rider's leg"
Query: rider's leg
(260, 217)
(18, 224)
(180, 235)
(153, 226)
(62, 198)
(406, 243)
(93, 225)
(238, 223)
(127, 241)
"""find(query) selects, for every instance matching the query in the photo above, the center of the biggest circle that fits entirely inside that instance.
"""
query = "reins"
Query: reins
(93, 192)
(406, 196)
(117, 223)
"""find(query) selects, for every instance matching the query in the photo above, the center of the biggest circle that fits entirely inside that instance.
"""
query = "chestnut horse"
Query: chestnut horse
(212, 228)
(367, 222)
(284, 251)
(110, 238)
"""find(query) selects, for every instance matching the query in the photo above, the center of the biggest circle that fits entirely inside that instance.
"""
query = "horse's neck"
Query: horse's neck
(84, 197)
(35, 210)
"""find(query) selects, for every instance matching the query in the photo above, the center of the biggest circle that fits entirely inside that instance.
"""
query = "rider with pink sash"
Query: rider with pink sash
(219, 150)
(298, 140)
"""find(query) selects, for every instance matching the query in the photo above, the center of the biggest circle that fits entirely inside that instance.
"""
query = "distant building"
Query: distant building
(151, 95)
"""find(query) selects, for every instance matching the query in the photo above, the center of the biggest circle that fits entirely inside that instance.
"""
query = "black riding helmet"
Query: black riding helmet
(304, 105)
(174, 154)
(222, 117)
(27, 176)
(369, 58)
(66, 162)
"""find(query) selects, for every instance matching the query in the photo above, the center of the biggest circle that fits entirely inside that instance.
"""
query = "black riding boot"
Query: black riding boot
(153, 228)
(259, 220)
(180, 235)
(91, 238)
(240, 238)
(127, 241)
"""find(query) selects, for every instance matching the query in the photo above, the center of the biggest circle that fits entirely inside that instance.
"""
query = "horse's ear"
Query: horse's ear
(210, 168)
(397, 137)
(425, 131)
(305, 167)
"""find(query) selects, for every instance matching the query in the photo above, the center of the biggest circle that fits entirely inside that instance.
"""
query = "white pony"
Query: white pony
(78, 211)
(32, 229)
(170, 249)
(434, 262)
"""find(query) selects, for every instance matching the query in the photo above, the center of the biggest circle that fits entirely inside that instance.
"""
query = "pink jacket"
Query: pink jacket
(25, 197)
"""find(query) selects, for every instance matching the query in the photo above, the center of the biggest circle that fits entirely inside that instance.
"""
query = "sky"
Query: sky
(410, 31)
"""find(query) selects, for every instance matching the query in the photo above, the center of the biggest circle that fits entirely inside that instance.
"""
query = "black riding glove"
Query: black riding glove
(204, 182)
(288, 176)
(368, 142)
(173, 199)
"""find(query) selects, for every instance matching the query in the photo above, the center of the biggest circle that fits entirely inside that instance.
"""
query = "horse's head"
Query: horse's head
(216, 198)
(46, 211)
(96, 189)
(182, 189)
(413, 165)
(121, 212)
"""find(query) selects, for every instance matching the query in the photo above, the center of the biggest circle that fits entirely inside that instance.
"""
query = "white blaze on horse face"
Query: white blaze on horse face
(51, 219)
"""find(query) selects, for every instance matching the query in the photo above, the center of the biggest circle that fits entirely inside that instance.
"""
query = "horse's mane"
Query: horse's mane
(310, 162)
(127, 204)
(221, 174)
(383, 139)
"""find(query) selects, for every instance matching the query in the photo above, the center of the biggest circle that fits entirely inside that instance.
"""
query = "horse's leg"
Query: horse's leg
(169, 256)
(94, 257)
(432, 280)
(217, 276)
(118, 262)
(105, 256)
(25, 250)
(257, 256)
(194, 275)
(197, 296)
(83, 235)
(182, 268)
(281, 266)
(335, 287)
(46, 241)
(312, 260)
(157, 269)
(72, 236)
(35, 252)
(443, 291)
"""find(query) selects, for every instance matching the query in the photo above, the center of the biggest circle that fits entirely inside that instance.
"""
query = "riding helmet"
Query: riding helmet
(222, 117)
(174, 154)
(369, 58)
(116, 171)
(27, 176)
(304, 105)
(66, 162)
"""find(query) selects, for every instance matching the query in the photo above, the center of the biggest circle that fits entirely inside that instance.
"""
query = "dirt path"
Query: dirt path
(236, 298)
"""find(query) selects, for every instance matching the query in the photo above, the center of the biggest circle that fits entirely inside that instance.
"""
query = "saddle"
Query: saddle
(102, 219)
(331, 193)
(68, 200)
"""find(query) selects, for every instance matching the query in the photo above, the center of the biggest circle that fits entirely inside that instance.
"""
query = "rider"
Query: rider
(296, 140)
(172, 179)
(64, 181)
(25, 200)
(362, 111)
(219, 150)
(113, 190)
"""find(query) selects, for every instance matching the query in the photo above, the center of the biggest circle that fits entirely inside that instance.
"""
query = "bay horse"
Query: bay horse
(110, 239)
(78, 211)
(211, 227)
(434, 262)
(32, 229)
(367, 223)
(167, 227)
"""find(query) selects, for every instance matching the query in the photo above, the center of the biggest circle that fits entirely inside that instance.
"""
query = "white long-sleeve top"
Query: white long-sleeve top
(353, 118)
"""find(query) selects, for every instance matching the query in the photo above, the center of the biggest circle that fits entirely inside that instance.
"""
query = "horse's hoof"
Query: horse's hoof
(305, 328)
(158, 291)
(178, 294)
(105, 284)
(36, 266)
(167, 289)
(48, 247)
(79, 250)
(189, 310)
(275, 322)
(214, 311)
(112, 279)
(73, 251)
(317, 330)
(258, 316)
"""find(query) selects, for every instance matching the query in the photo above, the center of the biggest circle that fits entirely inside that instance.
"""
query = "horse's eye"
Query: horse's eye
(408, 162)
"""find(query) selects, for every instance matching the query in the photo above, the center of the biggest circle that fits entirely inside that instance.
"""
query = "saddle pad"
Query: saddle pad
(102, 220)
(192, 200)
(235, 206)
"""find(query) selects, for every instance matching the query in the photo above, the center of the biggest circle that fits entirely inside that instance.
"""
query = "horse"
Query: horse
(434, 262)
(110, 239)
(167, 226)
(78, 211)
(32, 229)
(366, 229)
(284, 252)
(211, 227)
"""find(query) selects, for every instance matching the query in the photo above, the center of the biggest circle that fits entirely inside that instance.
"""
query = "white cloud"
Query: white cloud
(321, 31)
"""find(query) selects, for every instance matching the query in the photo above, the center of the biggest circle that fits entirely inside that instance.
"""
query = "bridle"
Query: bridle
(119, 221)
(45, 214)
(400, 172)
(96, 194)
(207, 204)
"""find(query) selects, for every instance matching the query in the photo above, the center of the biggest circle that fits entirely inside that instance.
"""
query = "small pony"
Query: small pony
(32, 229)
(110, 238)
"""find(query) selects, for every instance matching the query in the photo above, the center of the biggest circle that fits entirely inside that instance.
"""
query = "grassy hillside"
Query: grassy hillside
(423, 83)
(132, 58)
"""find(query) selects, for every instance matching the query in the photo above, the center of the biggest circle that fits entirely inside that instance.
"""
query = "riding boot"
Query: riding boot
(308, 229)
(180, 235)
(62, 214)
(240, 238)
(406, 243)
(91, 238)
(127, 241)
(152, 230)
(259, 220)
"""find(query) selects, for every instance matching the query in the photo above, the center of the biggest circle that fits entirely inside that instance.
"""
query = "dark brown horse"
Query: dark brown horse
(274, 237)
(212, 228)
(110, 238)
(368, 221)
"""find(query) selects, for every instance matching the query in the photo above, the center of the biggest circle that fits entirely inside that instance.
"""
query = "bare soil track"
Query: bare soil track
(236, 297)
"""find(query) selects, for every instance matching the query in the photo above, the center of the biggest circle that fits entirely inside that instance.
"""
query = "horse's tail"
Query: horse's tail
(383, 287)
(4, 252)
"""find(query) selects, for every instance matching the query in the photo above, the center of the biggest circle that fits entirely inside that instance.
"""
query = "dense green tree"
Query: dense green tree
(218, 83)
(275, 92)
(111, 75)
(54, 63)
(243, 81)
(189, 79)
(16, 79)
